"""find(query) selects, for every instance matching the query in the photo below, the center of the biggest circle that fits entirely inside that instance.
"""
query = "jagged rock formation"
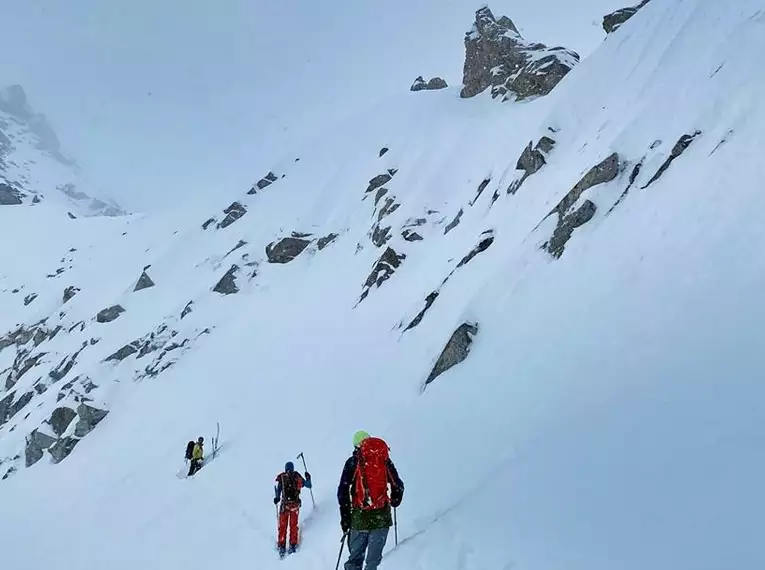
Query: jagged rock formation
(680, 147)
(233, 213)
(569, 219)
(326, 240)
(616, 20)
(455, 351)
(433, 84)
(109, 314)
(227, 284)
(144, 282)
(497, 56)
(286, 249)
(383, 270)
(90, 417)
(10, 196)
(264, 182)
(70, 292)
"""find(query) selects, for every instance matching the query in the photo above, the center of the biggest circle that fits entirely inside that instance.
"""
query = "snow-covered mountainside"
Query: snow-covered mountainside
(33, 167)
(547, 302)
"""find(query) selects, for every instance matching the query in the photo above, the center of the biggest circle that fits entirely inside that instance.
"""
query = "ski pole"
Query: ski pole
(301, 456)
(342, 546)
(395, 524)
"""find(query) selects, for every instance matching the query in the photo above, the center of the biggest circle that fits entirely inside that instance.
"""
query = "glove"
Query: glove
(345, 519)
(307, 475)
(396, 497)
(276, 500)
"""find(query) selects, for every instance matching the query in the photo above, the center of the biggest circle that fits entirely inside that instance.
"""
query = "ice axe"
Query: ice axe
(305, 467)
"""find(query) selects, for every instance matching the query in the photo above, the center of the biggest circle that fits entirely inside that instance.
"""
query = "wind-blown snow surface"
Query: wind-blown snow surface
(610, 413)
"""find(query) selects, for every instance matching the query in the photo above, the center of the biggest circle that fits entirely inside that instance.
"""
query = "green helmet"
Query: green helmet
(358, 437)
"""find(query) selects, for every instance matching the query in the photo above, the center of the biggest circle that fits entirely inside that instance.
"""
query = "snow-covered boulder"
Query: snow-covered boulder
(433, 84)
(497, 56)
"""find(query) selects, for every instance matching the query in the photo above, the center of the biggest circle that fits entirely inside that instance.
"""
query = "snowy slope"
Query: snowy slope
(33, 167)
(608, 415)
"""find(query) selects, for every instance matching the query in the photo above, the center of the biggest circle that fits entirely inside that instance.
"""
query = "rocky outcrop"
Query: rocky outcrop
(326, 240)
(455, 351)
(123, 352)
(264, 182)
(90, 417)
(487, 238)
(62, 448)
(208, 223)
(481, 187)
(29, 299)
(384, 268)
(380, 180)
(433, 84)
(233, 213)
(429, 300)
(286, 249)
(569, 219)
(497, 56)
(10, 196)
(227, 284)
(411, 235)
(37, 443)
(454, 223)
(60, 419)
(680, 147)
(70, 292)
(616, 20)
(144, 282)
(533, 158)
(187, 309)
(109, 314)
(566, 226)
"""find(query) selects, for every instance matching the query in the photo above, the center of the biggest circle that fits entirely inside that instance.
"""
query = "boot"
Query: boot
(293, 549)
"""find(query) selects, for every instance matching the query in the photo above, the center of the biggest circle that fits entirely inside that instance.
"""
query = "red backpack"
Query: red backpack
(370, 490)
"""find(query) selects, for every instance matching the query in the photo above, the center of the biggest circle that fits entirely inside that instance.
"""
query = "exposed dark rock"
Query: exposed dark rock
(389, 207)
(380, 180)
(487, 238)
(286, 249)
(89, 418)
(326, 240)
(300, 235)
(264, 182)
(616, 20)
(567, 225)
(604, 172)
(109, 314)
(19, 404)
(5, 406)
(60, 419)
(240, 244)
(380, 236)
(123, 352)
(144, 282)
(70, 292)
(233, 213)
(497, 56)
(481, 187)
(64, 367)
(411, 235)
(208, 223)
(62, 448)
(227, 283)
(9, 196)
(187, 309)
(29, 298)
(383, 150)
(379, 195)
(37, 443)
(71, 216)
(29, 363)
(432, 85)
(454, 223)
(533, 158)
(429, 300)
(456, 350)
(680, 147)
(383, 270)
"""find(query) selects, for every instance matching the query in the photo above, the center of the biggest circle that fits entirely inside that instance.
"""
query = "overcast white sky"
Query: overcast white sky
(159, 98)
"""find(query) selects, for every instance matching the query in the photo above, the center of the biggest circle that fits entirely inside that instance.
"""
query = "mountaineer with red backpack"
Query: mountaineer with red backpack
(365, 501)
(288, 486)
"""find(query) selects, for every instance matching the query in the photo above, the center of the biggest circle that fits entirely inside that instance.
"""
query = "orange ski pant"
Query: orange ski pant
(288, 517)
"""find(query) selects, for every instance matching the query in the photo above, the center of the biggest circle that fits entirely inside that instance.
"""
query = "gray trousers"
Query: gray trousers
(370, 542)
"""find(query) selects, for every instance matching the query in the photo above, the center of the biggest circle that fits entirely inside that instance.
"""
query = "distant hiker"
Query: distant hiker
(197, 456)
(288, 486)
(365, 502)
(189, 451)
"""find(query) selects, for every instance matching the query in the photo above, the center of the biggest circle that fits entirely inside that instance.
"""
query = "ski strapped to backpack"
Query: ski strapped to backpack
(372, 475)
